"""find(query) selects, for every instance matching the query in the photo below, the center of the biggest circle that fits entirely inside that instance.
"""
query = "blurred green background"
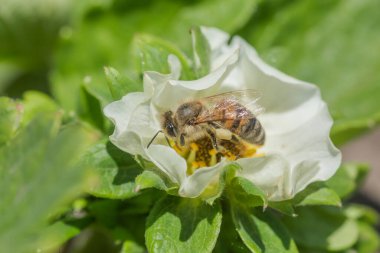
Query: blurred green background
(60, 48)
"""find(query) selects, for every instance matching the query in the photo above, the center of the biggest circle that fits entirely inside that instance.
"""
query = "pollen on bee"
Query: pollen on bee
(201, 153)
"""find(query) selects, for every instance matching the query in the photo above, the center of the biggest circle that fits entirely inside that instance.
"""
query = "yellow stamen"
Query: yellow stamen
(201, 164)
(194, 146)
(213, 159)
(231, 157)
(195, 165)
(212, 151)
(191, 157)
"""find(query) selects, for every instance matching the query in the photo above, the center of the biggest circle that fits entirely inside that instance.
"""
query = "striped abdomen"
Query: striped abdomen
(248, 129)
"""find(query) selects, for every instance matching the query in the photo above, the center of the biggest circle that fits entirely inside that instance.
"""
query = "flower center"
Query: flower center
(201, 152)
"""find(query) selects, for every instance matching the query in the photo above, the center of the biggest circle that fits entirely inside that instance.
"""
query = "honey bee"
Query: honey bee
(227, 119)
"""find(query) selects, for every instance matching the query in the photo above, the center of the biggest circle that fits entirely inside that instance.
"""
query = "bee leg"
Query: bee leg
(213, 139)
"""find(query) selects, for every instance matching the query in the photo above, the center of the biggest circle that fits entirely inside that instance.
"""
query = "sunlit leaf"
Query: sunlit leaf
(183, 225)
(10, 118)
(38, 173)
(114, 170)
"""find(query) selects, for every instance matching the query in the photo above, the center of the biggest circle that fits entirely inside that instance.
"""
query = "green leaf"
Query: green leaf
(38, 173)
(55, 235)
(119, 85)
(244, 191)
(183, 225)
(10, 118)
(344, 237)
(129, 242)
(105, 211)
(347, 179)
(322, 42)
(201, 53)
(317, 194)
(114, 171)
(322, 228)
(261, 231)
(362, 213)
(130, 246)
(229, 239)
(152, 55)
(35, 103)
(369, 241)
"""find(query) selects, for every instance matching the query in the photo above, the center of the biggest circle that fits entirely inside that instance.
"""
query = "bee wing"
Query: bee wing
(241, 104)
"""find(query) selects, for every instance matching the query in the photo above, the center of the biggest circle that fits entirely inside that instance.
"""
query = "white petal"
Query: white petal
(308, 149)
(270, 173)
(169, 94)
(121, 114)
(296, 121)
(165, 158)
(215, 37)
(153, 79)
(288, 102)
(175, 67)
(195, 184)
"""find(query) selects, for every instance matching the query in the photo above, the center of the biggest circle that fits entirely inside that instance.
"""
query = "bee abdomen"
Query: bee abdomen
(253, 132)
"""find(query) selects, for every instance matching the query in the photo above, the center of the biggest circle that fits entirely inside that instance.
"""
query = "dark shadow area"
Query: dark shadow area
(250, 227)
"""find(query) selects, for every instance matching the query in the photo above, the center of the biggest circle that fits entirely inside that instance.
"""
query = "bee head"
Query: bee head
(187, 112)
(168, 125)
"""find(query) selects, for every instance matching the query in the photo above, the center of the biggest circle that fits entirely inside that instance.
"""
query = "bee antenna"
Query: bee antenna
(154, 137)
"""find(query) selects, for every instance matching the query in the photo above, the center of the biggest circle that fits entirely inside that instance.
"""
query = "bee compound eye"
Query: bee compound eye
(170, 129)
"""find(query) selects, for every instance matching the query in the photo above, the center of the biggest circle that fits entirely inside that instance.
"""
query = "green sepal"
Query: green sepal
(91, 108)
(244, 191)
(285, 207)
(150, 179)
(152, 55)
(120, 85)
(317, 194)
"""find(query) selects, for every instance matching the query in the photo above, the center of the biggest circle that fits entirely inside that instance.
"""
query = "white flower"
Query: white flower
(298, 150)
